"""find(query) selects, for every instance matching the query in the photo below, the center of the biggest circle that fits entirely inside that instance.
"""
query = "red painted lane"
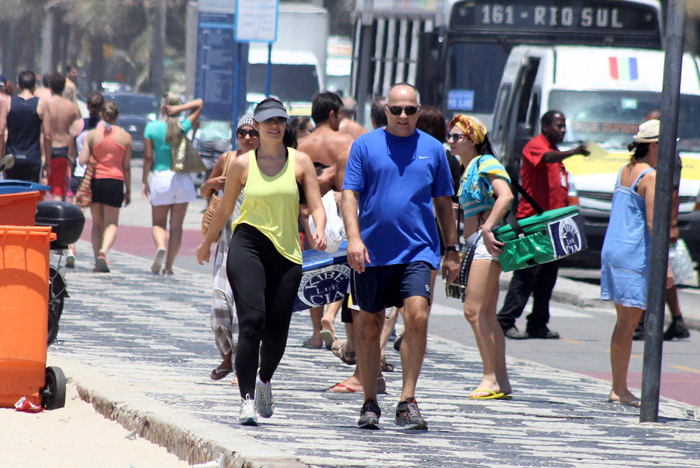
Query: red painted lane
(679, 386)
(137, 240)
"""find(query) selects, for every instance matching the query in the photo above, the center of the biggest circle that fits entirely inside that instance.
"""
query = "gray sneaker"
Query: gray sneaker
(263, 398)
(408, 415)
(369, 415)
(247, 415)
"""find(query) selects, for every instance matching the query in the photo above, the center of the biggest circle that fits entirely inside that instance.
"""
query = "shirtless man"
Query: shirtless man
(44, 92)
(26, 117)
(346, 350)
(63, 114)
(71, 90)
(348, 124)
(324, 146)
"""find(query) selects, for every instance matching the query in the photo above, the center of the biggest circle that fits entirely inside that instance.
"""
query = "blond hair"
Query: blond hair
(173, 133)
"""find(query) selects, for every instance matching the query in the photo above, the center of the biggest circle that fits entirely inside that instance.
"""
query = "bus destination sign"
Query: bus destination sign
(542, 15)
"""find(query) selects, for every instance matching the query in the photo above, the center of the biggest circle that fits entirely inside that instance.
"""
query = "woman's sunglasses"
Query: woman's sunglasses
(455, 136)
(409, 110)
(242, 133)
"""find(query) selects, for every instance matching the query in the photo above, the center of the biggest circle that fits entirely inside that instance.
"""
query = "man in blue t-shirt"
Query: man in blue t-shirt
(394, 176)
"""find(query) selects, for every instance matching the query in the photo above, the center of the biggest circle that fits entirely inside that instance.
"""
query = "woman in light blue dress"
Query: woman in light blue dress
(625, 254)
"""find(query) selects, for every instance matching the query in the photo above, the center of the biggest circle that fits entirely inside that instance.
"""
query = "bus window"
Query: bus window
(473, 73)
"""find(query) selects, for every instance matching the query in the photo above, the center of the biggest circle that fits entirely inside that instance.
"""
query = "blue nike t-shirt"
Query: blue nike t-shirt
(397, 179)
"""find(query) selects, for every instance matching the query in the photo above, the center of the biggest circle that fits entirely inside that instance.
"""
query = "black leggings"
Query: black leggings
(264, 285)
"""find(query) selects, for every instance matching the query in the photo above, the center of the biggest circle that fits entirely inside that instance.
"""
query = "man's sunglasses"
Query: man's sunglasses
(409, 110)
(242, 133)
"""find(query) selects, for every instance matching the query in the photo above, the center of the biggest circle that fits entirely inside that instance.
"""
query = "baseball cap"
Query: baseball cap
(3, 80)
(268, 109)
(648, 132)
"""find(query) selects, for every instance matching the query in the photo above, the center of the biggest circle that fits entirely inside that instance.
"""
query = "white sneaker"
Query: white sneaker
(263, 398)
(247, 415)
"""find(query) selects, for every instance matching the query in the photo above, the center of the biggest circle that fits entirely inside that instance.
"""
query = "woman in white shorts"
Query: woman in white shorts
(168, 191)
(484, 196)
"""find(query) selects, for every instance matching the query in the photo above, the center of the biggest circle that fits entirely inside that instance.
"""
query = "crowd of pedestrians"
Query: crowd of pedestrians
(397, 189)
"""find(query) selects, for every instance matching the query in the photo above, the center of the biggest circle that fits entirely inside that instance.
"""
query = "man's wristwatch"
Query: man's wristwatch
(453, 248)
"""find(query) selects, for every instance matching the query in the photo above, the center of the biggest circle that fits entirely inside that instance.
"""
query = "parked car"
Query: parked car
(135, 111)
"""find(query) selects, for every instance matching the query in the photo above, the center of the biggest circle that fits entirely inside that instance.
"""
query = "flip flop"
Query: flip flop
(307, 344)
(343, 389)
(158, 262)
(636, 403)
(328, 338)
(219, 373)
(102, 264)
(491, 395)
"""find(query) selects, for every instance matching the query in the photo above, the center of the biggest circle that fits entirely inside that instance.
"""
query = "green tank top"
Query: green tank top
(271, 205)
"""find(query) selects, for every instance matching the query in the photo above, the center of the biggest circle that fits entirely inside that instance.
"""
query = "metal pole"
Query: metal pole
(363, 86)
(268, 78)
(237, 83)
(362, 91)
(658, 263)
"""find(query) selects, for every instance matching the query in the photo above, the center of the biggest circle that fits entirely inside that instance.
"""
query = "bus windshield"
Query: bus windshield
(473, 75)
(289, 82)
(611, 118)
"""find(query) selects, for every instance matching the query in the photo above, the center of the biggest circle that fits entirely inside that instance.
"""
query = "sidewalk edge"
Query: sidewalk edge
(203, 442)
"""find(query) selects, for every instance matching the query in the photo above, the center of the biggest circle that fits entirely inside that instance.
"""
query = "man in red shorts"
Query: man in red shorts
(62, 113)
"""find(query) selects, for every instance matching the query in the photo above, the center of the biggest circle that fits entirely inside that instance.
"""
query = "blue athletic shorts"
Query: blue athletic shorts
(387, 286)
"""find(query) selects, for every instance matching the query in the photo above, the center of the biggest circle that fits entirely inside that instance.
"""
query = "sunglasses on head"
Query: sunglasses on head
(455, 136)
(242, 133)
(397, 110)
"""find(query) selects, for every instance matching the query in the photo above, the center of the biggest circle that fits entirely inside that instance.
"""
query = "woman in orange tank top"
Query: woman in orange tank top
(111, 183)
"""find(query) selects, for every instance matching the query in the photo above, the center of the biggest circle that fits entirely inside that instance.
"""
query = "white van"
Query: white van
(604, 93)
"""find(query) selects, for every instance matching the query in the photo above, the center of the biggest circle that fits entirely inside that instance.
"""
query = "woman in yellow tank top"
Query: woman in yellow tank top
(264, 260)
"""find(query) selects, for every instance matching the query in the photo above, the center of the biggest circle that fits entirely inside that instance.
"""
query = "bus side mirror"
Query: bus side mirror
(523, 134)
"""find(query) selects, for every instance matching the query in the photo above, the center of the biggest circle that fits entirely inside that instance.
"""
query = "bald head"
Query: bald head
(401, 110)
(653, 115)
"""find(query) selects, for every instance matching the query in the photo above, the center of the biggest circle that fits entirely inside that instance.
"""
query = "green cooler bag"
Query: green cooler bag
(542, 238)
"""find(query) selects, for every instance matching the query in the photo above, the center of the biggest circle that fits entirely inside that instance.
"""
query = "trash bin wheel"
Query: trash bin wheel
(53, 395)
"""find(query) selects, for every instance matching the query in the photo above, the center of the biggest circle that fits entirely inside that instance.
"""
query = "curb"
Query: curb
(204, 441)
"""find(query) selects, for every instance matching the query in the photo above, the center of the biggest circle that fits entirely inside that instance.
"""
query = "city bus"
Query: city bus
(454, 51)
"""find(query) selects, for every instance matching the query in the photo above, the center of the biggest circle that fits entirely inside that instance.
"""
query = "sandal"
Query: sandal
(386, 366)
(220, 372)
(348, 357)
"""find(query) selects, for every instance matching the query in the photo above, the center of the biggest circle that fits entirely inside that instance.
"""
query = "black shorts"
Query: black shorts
(387, 286)
(27, 172)
(109, 192)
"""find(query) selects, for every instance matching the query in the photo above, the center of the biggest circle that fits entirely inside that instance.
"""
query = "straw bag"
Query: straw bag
(185, 158)
(214, 203)
(83, 197)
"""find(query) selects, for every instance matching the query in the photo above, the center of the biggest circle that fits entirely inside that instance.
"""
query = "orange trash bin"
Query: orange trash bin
(24, 287)
(19, 209)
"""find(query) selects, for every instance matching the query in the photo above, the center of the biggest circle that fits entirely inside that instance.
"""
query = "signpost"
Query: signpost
(256, 21)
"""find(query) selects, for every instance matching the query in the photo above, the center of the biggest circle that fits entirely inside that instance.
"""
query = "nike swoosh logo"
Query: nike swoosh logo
(422, 157)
